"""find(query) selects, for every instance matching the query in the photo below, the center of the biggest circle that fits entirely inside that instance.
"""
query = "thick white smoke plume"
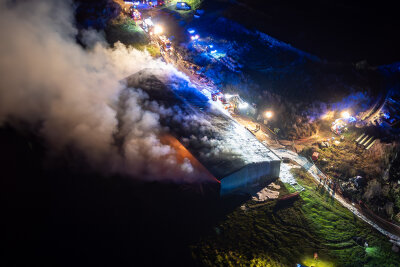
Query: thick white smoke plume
(47, 78)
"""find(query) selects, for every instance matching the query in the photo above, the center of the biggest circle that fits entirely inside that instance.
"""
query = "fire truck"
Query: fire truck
(165, 43)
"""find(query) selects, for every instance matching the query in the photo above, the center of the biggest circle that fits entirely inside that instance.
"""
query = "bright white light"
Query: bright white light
(158, 29)
(268, 114)
(149, 22)
(195, 37)
(345, 114)
(228, 96)
(243, 105)
(213, 52)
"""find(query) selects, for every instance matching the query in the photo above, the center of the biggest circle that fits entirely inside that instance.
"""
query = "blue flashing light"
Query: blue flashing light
(191, 31)
(352, 119)
(386, 115)
(213, 52)
(211, 46)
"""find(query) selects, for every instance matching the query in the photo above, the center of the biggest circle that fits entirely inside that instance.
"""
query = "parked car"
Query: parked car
(182, 6)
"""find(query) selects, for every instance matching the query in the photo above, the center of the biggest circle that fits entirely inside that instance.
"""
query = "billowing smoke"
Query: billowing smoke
(47, 79)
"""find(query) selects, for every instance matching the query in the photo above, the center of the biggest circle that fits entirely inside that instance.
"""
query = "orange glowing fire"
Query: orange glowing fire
(182, 153)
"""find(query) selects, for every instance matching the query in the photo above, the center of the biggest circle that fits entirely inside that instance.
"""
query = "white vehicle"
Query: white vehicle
(147, 25)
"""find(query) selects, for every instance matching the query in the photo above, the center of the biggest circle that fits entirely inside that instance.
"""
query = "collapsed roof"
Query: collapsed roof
(213, 137)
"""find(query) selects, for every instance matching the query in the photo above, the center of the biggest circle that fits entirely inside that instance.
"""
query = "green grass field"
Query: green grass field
(285, 234)
(125, 30)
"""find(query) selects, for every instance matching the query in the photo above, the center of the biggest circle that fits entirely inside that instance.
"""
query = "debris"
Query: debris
(336, 143)
(324, 144)
(265, 194)
(274, 186)
(290, 196)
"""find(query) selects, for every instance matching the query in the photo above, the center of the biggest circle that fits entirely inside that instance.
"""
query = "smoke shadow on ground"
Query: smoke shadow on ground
(61, 216)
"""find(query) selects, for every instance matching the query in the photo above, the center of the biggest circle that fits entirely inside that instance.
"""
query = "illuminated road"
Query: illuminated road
(315, 173)
(180, 64)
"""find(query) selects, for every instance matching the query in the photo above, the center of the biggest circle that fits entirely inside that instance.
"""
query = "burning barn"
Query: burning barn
(226, 149)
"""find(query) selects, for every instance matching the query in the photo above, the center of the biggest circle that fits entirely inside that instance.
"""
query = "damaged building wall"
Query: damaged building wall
(260, 172)
(227, 150)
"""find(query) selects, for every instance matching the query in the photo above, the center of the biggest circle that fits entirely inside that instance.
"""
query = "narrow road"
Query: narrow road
(281, 152)
(309, 167)
(315, 173)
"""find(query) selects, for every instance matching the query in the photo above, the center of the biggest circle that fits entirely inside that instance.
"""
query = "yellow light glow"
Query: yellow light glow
(268, 114)
(158, 29)
(328, 115)
(317, 263)
(345, 114)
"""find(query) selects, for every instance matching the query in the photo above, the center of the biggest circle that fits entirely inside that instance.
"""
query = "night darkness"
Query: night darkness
(82, 183)
(335, 30)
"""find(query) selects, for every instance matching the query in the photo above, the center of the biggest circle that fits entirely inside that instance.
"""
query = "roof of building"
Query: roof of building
(221, 144)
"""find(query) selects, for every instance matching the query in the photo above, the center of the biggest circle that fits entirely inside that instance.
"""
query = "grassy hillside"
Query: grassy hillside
(276, 234)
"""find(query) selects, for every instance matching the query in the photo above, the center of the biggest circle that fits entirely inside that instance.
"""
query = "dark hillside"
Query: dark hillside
(61, 217)
(346, 31)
